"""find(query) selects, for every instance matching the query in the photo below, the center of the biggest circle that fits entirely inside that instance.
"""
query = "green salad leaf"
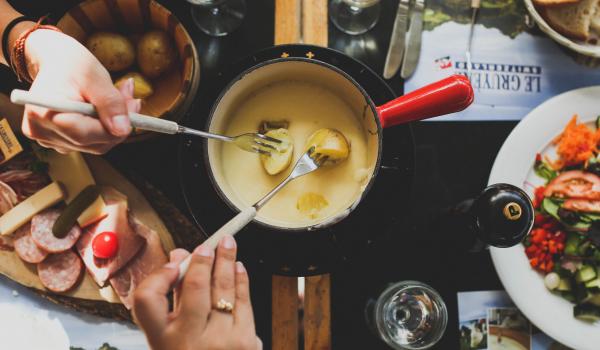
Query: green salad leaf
(551, 206)
(543, 170)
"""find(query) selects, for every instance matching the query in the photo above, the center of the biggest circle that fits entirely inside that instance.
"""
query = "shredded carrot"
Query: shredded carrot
(577, 143)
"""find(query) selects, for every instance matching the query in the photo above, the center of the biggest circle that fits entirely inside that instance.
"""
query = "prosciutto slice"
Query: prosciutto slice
(8, 197)
(151, 257)
(117, 221)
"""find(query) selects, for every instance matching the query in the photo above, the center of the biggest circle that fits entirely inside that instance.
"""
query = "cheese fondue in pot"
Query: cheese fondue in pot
(306, 107)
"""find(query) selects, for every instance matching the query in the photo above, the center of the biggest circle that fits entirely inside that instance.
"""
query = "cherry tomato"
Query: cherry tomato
(105, 245)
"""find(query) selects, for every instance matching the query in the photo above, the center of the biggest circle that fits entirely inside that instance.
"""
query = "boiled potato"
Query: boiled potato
(311, 204)
(141, 87)
(281, 158)
(330, 143)
(267, 125)
(155, 53)
(114, 51)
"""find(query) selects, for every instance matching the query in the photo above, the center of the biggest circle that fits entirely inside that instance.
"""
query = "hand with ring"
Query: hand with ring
(211, 306)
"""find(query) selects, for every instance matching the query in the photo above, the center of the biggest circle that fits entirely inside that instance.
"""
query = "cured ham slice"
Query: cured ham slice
(129, 242)
(18, 175)
(8, 197)
(151, 257)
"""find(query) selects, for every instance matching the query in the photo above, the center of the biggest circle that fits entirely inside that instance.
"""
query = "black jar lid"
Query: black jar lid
(504, 215)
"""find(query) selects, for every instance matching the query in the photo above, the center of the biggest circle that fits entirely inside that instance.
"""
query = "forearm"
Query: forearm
(7, 14)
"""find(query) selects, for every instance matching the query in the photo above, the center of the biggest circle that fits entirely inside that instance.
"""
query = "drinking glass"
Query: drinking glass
(218, 17)
(408, 315)
(354, 16)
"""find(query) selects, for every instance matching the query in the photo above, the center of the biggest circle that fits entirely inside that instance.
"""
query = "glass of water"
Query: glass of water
(218, 17)
(408, 315)
(354, 16)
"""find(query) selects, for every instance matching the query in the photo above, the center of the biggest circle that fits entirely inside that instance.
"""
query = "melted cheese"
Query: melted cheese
(307, 107)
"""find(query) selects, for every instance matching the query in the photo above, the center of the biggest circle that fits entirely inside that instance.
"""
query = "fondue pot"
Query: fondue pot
(315, 66)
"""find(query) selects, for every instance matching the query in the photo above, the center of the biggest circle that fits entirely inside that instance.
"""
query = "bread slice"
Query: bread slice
(554, 2)
(595, 24)
(571, 20)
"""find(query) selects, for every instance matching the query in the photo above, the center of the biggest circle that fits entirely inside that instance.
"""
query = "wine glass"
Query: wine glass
(408, 315)
(354, 16)
(218, 17)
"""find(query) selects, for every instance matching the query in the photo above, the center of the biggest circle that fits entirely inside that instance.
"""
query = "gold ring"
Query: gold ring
(224, 306)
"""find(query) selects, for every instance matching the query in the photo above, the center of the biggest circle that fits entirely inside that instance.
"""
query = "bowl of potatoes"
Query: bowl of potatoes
(140, 39)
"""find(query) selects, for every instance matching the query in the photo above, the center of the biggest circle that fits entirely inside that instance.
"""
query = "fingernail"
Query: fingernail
(228, 242)
(239, 267)
(204, 251)
(121, 124)
(171, 265)
(130, 86)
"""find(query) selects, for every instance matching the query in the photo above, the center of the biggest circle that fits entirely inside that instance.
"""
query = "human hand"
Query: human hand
(193, 323)
(64, 68)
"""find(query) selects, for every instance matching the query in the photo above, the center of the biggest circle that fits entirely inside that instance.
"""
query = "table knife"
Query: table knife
(397, 41)
(474, 10)
(413, 45)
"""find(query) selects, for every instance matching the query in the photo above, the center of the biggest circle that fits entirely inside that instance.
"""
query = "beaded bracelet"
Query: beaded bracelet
(18, 62)
(9, 27)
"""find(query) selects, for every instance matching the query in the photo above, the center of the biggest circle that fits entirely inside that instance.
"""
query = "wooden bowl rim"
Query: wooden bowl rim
(187, 75)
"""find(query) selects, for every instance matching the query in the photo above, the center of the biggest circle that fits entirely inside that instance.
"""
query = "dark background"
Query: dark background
(453, 160)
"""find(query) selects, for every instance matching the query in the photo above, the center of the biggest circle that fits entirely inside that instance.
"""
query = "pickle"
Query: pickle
(68, 217)
(267, 125)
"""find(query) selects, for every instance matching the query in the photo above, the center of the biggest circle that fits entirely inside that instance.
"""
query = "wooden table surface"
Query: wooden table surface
(301, 21)
(333, 305)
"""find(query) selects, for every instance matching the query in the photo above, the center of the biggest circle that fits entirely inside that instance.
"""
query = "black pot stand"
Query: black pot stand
(311, 252)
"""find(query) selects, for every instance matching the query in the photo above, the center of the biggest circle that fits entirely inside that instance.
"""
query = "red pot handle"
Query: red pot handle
(449, 95)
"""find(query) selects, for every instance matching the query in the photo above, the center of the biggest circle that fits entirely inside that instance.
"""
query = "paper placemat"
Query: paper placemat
(515, 67)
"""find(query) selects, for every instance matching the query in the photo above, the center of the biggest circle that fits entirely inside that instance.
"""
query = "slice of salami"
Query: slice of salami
(7, 243)
(25, 248)
(41, 232)
(60, 272)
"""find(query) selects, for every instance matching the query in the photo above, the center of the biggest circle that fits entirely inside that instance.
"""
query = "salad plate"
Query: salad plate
(535, 135)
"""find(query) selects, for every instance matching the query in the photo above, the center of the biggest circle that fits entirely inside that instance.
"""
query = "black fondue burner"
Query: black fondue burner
(314, 252)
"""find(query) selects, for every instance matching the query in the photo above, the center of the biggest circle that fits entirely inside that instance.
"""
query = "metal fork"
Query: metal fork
(252, 142)
(308, 163)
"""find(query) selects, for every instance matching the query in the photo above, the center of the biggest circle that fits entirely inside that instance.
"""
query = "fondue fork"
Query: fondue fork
(308, 163)
(251, 142)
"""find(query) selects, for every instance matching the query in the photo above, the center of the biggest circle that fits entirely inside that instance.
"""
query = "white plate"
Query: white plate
(578, 46)
(513, 165)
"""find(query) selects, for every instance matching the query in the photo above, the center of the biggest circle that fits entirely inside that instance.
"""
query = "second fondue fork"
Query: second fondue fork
(251, 142)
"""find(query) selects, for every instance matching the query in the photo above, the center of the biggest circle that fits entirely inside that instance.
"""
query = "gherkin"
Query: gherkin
(508, 16)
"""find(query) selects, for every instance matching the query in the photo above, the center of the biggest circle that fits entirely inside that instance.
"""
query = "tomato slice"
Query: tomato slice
(105, 245)
(575, 184)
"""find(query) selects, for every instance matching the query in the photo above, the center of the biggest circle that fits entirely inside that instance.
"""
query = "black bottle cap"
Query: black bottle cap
(504, 215)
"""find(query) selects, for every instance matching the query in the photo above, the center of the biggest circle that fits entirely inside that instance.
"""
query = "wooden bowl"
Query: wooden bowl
(174, 90)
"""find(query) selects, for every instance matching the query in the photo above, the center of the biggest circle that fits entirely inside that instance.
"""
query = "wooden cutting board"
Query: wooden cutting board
(23, 273)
